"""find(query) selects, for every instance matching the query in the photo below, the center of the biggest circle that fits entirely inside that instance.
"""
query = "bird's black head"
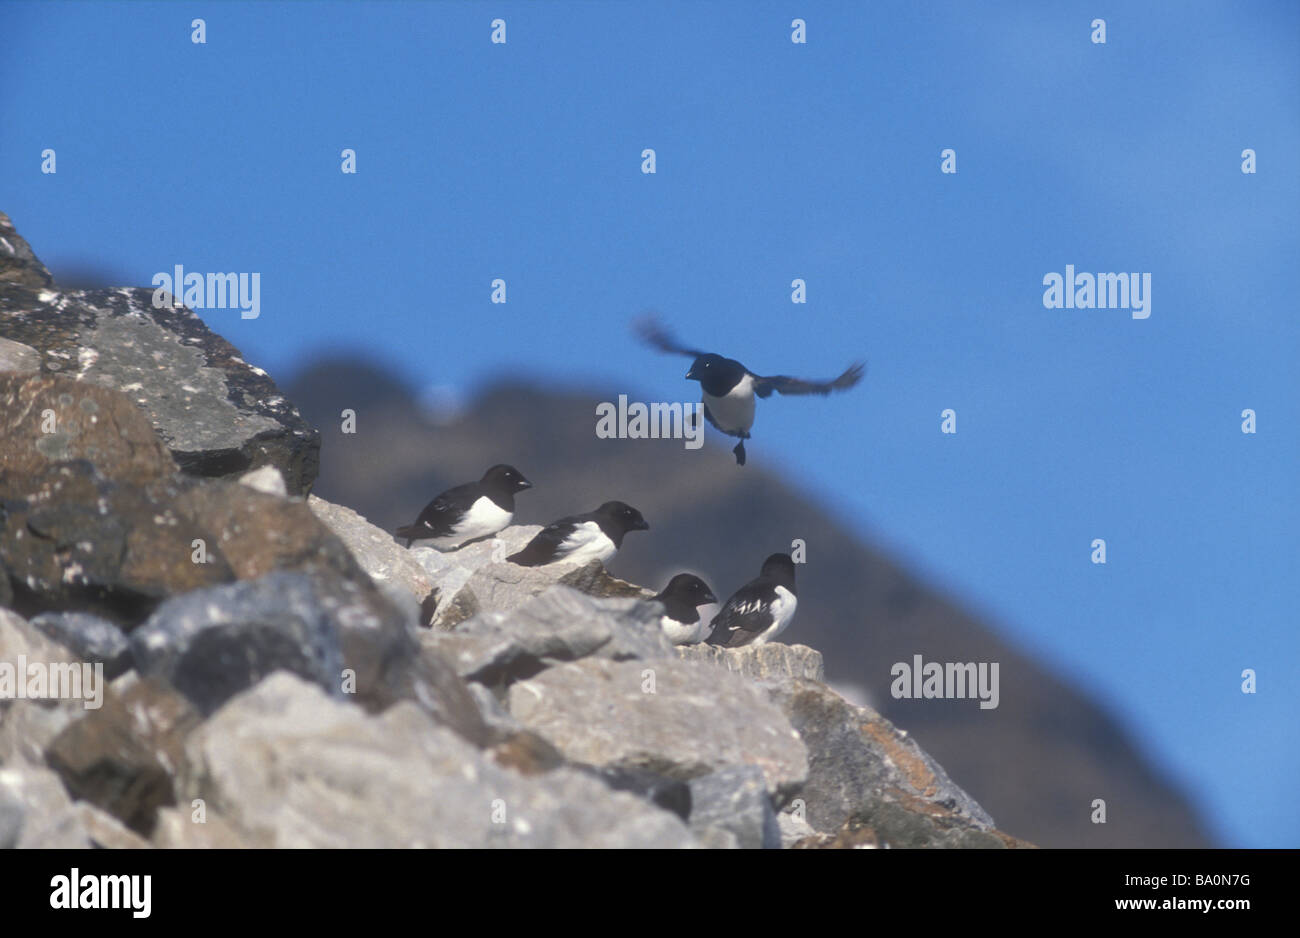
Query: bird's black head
(717, 375)
(688, 587)
(505, 478)
(624, 515)
(779, 567)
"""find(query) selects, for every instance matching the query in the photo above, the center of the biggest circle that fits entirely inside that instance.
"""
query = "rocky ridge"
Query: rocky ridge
(280, 672)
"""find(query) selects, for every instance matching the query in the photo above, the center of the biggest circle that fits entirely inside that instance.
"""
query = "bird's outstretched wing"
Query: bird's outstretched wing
(784, 384)
(653, 332)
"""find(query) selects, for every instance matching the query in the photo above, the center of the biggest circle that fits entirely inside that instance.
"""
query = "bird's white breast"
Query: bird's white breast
(734, 412)
(587, 543)
(782, 610)
(483, 518)
(680, 633)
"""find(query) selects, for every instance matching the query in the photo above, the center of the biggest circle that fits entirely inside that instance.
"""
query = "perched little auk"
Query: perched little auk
(468, 512)
(681, 620)
(761, 609)
(728, 387)
(597, 535)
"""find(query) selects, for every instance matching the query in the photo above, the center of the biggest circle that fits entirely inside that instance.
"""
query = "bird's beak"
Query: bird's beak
(709, 598)
(642, 525)
(524, 484)
(691, 374)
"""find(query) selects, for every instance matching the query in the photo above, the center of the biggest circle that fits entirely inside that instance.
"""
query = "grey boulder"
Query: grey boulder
(36, 813)
(561, 624)
(731, 808)
(387, 562)
(217, 414)
(773, 661)
(670, 717)
(477, 578)
(27, 726)
(90, 638)
(858, 761)
(211, 644)
(288, 766)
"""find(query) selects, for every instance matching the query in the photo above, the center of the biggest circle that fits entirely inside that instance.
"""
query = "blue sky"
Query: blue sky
(775, 161)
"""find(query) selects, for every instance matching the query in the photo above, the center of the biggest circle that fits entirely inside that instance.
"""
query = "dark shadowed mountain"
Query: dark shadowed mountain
(1037, 762)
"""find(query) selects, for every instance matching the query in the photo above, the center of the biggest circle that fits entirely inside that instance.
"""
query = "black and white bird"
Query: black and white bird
(597, 535)
(728, 387)
(468, 512)
(681, 620)
(761, 609)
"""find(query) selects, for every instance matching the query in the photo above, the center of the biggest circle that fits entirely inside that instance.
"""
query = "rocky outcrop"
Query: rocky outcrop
(276, 671)
(122, 757)
(18, 263)
(663, 716)
(770, 662)
(477, 577)
(89, 638)
(27, 725)
(387, 563)
(1051, 742)
(217, 414)
(857, 760)
(95, 517)
(288, 766)
(559, 625)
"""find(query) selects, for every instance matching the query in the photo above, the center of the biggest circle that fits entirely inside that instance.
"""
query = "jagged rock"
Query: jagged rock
(178, 829)
(217, 414)
(12, 813)
(561, 624)
(47, 419)
(525, 752)
(27, 726)
(266, 480)
(491, 708)
(211, 644)
(770, 662)
(285, 763)
(477, 578)
(18, 264)
(255, 533)
(793, 829)
(123, 757)
(671, 794)
(35, 811)
(375, 550)
(857, 760)
(90, 638)
(909, 823)
(105, 831)
(731, 806)
(74, 539)
(671, 717)
(14, 356)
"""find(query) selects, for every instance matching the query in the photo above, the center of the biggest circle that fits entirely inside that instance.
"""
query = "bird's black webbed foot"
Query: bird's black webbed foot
(740, 453)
